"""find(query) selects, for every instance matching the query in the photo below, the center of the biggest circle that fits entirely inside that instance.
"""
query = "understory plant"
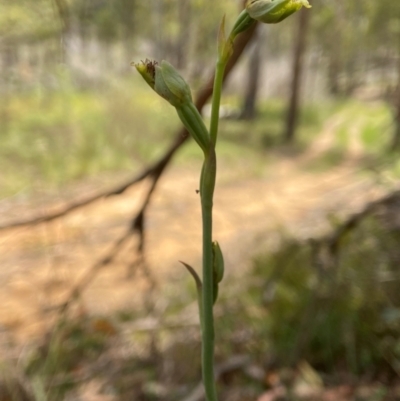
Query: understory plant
(169, 84)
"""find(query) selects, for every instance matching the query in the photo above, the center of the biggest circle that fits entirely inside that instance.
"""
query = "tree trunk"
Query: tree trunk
(249, 106)
(297, 69)
(64, 16)
(396, 137)
(335, 63)
(158, 9)
(396, 107)
(184, 13)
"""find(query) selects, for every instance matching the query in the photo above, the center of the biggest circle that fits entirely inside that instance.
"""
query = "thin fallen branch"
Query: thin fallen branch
(117, 190)
(92, 272)
(155, 170)
(333, 240)
(136, 227)
(326, 249)
(325, 257)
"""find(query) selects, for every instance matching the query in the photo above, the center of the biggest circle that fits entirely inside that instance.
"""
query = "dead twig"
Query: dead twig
(136, 227)
(117, 190)
(333, 240)
(91, 273)
(325, 257)
(155, 170)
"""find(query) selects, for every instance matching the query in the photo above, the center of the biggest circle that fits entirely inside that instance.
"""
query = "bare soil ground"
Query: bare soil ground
(40, 264)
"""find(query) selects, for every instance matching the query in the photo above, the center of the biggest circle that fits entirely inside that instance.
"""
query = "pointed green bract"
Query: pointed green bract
(225, 46)
(221, 37)
(199, 288)
(274, 11)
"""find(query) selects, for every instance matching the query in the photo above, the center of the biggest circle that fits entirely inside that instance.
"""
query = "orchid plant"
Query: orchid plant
(169, 84)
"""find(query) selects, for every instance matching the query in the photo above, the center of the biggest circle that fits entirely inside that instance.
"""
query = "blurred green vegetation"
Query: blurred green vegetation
(339, 317)
(53, 138)
(72, 344)
(343, 318)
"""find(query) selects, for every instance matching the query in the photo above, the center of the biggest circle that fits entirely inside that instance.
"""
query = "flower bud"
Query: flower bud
(166, 81)
(274, 11)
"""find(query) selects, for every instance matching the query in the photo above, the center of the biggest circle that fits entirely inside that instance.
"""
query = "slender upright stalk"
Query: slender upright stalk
(207, 186)
(167, 82)
(207, 193)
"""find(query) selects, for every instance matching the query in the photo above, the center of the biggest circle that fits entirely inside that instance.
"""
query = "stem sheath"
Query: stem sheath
(216, 99)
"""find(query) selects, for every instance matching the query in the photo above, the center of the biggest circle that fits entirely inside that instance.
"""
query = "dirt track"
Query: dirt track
(40, 264)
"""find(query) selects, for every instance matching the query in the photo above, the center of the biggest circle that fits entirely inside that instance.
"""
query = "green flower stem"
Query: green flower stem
(207, 185)
(243, 22)
(207, 193)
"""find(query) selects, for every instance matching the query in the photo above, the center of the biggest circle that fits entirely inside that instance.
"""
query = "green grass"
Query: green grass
(53, 137)
(266, 130)
(361, 126)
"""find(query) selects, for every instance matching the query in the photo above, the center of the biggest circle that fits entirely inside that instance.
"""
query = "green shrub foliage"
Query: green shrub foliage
(338, 307)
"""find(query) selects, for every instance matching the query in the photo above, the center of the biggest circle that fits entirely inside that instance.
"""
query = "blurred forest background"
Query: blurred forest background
(93, 304)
